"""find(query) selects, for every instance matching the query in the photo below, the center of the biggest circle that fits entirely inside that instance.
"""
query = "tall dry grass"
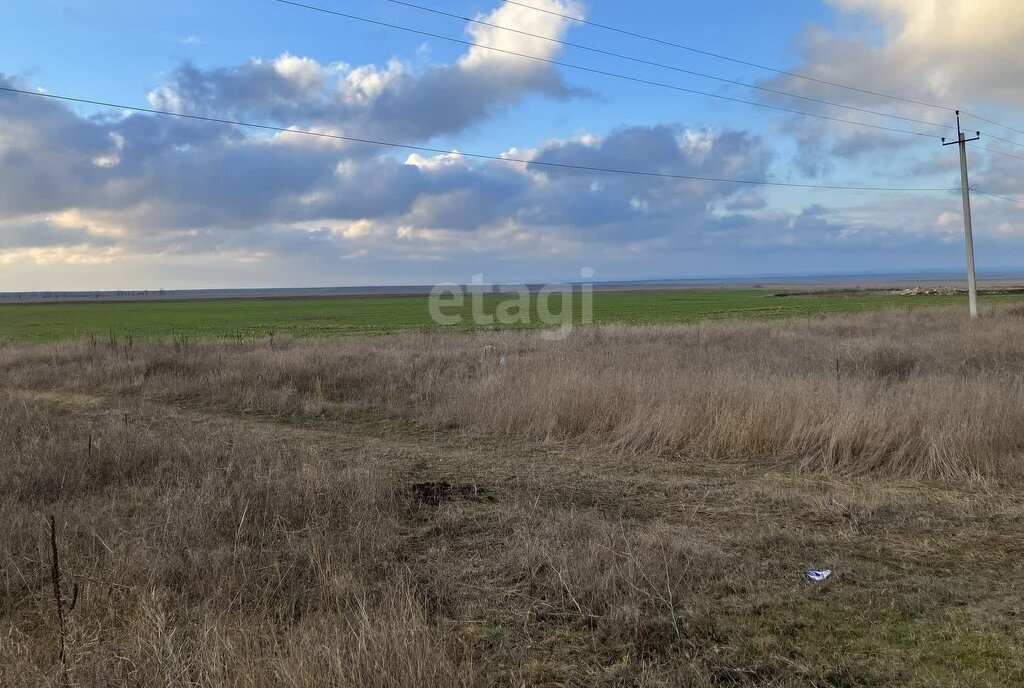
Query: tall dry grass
(203, 558)
(206, 556)
(921, 393)
(210, 550)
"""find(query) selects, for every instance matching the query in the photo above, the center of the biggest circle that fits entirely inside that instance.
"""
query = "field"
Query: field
(390, 315)
(632, 506)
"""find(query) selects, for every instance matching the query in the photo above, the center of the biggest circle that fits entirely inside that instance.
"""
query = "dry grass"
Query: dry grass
(203, 558)
(658, 542)
(913, 394)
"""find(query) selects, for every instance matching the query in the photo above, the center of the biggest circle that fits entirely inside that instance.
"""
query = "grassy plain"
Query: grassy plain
(303, 317)
(634, 506)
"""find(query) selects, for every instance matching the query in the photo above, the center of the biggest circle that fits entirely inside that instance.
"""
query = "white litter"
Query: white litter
(818, 576)
(503, 363)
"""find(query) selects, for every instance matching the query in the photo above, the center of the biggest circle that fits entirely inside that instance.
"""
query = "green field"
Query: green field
(390, 314)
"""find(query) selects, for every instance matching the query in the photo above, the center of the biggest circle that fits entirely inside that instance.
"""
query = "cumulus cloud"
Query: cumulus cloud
(962, 52)
(393, 101)
(149, 185)
(529, 21)
(999, 175)
(822, 147)
(132, 189)
(92, 190)
(956, 53)
(169, 184)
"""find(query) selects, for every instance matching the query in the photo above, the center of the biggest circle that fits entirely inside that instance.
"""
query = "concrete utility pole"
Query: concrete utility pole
(972, 284)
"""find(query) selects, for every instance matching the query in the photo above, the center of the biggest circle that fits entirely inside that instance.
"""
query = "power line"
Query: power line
(1004, 198)
(599, 71)
(720, 56)
(988, 121)
(997, 138)
(480, 156)
(997, 152)
(661, 65)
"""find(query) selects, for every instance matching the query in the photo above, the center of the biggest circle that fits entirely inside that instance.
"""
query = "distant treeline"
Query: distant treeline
(59, 295)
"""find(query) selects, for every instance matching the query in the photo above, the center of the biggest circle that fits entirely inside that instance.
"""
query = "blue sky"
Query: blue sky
(122, 50)
(105, 200)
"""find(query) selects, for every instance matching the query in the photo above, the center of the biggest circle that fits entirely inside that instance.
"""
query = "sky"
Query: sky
(98, 198)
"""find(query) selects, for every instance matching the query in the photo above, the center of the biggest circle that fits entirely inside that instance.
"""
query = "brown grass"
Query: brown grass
(906, 393)
(631, 507)
(203, 558)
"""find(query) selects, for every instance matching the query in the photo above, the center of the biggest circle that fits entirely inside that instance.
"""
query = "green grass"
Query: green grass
(390, 314)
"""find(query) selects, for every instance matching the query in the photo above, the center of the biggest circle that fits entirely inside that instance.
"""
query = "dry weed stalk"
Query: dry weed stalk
(56, 578)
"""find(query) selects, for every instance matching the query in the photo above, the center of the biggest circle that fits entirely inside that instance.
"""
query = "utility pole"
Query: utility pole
(972, 284)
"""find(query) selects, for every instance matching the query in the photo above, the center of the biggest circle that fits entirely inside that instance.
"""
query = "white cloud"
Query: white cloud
(178, 188)
(963, 52)
(305, 72)
(529, 21)
(395, 101)
(363, 85)
(89, 191)
(48, 256)
(112, 158)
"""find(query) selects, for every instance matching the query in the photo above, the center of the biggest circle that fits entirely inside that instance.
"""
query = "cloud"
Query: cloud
(821, 147)
(47, 233)
(858, 144)
(152, 185)
(954, 53)
(997, 174)
(960, 52)
(126, 189)
(138, 190)
(526, 20)
(393, 101)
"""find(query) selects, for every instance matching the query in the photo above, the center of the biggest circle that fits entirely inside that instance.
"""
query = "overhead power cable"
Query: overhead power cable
(996, 152)
(720, 56)
(1004, 198)
(988, 121)
(463, 154)
(997, 138)
(661, 65)
(601, 72)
